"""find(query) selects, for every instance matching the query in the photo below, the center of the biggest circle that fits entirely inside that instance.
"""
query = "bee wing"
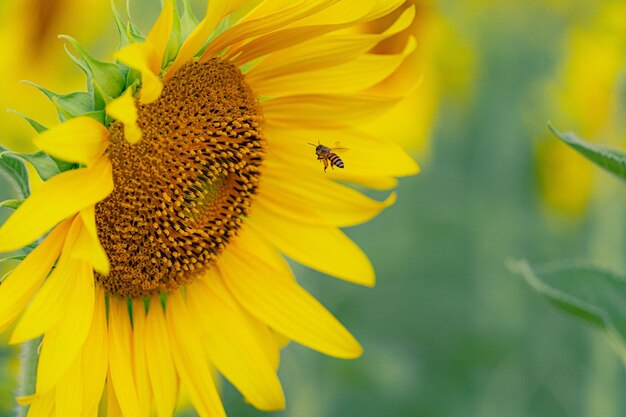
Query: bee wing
(340, 150)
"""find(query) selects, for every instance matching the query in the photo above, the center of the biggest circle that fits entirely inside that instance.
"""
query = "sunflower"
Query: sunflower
(175, 188)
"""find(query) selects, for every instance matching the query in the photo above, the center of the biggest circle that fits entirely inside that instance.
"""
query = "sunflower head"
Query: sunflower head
(176, 185)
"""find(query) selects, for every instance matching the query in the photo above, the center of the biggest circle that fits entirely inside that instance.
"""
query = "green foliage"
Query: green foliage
(174, 42)
(583, 290)
(188, 20)
(609, 159)
(14, 174)
(128, 32)
(45, 165)
(107, 78)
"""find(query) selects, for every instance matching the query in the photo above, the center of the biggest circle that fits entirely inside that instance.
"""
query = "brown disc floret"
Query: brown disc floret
(180, 193)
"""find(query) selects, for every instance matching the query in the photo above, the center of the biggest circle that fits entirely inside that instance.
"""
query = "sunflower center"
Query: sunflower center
(180, 193)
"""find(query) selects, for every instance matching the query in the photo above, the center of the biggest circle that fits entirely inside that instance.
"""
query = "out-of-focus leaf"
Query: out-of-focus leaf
(609, 159)
(583, 290)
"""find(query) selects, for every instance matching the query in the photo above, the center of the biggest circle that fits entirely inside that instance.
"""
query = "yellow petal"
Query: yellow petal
(95, 356)
(303, 49)
(124, 110)
(160, 33)
(286, 307)
(352, 12)
(249, 241)
(145, 59)
(368, 158)
(120, 357)
(324, 111)
(216, 11)
(190, 358)
(323, 248)
(350, 77)
(113, 405)
(49, 305)
(140, 347)
(232, 345)
(311, 200)
(253, 27)
(69, 391)
(81, 140)
(163, 378)
(20, 285)
(42, 406)
(58, 198)
(88, 247)
(63, 342)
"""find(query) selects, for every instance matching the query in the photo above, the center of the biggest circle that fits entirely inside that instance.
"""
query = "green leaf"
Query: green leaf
(14, 174)
(583, 290)
(12, 204)
(609, 159)
(68, 105)
(39, 128)
(108, 80)
(45, 166)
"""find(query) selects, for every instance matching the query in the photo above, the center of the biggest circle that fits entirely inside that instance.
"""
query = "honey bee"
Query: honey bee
(328, 156)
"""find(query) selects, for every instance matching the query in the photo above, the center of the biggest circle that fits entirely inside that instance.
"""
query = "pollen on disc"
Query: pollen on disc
(181, 192)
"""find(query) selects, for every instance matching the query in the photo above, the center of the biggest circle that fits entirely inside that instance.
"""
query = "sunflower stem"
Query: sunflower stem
(28, 369)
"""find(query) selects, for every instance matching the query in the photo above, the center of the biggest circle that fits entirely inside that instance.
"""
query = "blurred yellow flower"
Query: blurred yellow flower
(28, 34)
(586, 99)
(168, 232)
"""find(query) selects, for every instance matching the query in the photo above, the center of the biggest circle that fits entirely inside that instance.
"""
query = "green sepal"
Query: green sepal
(131, 28)
(98, 115)
(45, 166)
(583, 290)
(107, 78)
(39, 128)
(188, 20)
(14, 173)
(125, 39)
(609, 159)
(12, 204)
(86, 70)
(174, 42)
(221, 27)
(68, 105)
(128, 32)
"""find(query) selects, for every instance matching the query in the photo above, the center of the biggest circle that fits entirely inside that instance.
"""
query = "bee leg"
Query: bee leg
(325, 164)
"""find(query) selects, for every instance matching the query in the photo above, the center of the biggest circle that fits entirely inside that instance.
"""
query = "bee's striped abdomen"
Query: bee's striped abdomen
(335, 160)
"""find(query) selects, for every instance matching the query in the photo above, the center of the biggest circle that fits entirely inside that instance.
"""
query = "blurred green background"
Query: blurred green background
(448, 330)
